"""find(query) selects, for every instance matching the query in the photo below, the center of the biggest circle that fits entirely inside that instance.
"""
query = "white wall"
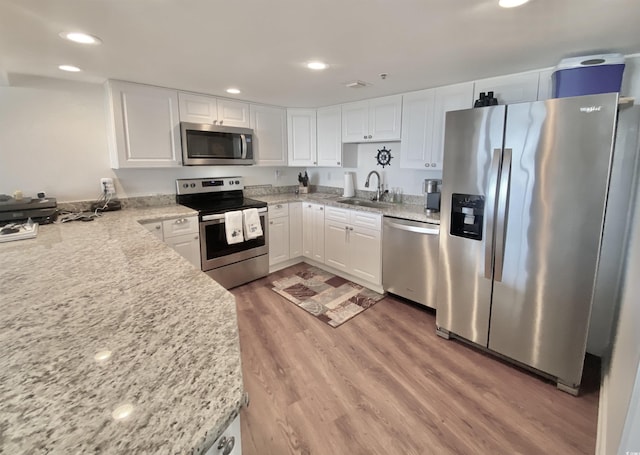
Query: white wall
(53, 138)
(410, 180)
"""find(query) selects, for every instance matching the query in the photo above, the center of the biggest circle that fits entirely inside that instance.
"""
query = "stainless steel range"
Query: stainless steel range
(230, 265)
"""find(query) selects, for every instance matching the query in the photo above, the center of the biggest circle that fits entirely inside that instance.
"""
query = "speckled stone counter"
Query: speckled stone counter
(83, 289)
(405, 211)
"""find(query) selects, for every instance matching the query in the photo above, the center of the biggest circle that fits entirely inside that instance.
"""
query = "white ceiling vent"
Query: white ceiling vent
(356, 84)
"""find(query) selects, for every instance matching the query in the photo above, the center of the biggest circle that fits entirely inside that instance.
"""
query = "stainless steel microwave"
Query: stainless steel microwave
(211, 145)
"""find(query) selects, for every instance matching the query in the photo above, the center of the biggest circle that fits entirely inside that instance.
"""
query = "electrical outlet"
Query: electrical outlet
(106, 185)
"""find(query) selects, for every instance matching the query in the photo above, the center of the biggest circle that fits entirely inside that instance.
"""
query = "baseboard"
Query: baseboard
(285, 264)
(346, 276)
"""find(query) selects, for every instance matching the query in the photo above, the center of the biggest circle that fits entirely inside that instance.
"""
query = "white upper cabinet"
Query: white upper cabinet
(423, 122)
(417, 129)
(514, 88)
(329, 132)
(269, 126)
(144, 126)
(374, 120)
(545, 85)
(301, 132)
(449, 98)
(233, 113)
(198, 108)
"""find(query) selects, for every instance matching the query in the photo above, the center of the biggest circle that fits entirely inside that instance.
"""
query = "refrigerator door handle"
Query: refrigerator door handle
(490, 215)
(501, 219)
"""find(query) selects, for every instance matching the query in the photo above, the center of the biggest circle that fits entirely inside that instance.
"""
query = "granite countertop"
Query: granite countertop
(81, 290)
(404, 211)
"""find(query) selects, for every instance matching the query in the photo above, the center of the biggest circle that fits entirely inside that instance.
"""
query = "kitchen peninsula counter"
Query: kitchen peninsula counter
(99, 315)
(405, 211)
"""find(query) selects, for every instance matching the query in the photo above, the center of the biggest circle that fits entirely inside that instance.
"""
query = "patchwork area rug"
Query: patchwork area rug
(330, 298)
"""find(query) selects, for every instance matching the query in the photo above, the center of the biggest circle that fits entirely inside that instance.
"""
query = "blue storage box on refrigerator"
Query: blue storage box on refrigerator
(588, 75)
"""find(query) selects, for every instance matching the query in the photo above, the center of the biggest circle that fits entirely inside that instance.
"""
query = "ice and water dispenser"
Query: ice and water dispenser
(467, 214)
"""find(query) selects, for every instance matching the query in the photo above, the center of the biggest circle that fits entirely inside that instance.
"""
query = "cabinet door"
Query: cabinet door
(307, 230)
(355, 122)
(365, 250)
(188, 245)
(295, 229)
(318, 233)
(417, 129)
(449, 98)
(515, 88)
(301, 130)
(270, 135)
(329, 124)
(278, 240)
(145, 126)
(198, 108)
(155, 228)
(335, 245)
(385, 116)
(233, 113)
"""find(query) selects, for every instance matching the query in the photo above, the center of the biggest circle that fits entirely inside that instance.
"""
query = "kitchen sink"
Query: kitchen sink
(364, 203)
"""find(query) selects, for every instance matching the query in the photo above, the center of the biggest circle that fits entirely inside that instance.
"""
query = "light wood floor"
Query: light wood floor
(384, 383)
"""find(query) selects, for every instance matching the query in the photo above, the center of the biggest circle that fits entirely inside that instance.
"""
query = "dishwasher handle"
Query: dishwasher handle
(411, 228)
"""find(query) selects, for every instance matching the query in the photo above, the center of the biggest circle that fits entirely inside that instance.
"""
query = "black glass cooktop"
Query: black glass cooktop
(209, 206)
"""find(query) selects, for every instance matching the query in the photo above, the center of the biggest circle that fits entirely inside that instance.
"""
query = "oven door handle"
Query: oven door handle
(220, 216)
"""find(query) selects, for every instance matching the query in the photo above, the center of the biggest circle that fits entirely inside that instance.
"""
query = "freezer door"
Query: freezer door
(472, 155)
(548, 245)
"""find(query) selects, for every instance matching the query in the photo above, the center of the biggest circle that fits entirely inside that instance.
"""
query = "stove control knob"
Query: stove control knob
(193, 185)
(237, 182)
(230, 182)
(185, 185)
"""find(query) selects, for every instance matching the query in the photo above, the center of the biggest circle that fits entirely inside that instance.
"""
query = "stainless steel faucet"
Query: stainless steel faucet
(366, 184)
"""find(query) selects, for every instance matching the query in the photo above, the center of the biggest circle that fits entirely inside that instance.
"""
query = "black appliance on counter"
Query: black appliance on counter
(41, 210)
(230, 265)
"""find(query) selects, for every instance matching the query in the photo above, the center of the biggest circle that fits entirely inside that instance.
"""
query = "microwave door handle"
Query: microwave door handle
(243, 146)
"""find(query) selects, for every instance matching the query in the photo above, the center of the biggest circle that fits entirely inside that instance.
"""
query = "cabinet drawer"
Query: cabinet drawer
(365, 220)
(179, 226)
(278, 211)
(155, 228)
(336, 214)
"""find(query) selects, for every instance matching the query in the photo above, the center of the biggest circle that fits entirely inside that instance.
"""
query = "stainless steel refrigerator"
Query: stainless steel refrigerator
(534, 218)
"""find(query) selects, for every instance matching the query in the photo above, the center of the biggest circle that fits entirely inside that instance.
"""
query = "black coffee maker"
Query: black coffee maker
(431, 190)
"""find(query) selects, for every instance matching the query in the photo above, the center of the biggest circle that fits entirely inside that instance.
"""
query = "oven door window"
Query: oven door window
(206, 144)
(216, 240)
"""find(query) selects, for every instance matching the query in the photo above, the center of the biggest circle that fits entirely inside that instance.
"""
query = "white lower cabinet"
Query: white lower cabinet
(313, 231)
(353, 243)
(278, 234)
(182, 234)
(295, 229)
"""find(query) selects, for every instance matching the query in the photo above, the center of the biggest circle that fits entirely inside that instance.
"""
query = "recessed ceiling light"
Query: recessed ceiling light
(82, 38)
(233, 91)
(317, 65)
(511, 3)
(70, 68)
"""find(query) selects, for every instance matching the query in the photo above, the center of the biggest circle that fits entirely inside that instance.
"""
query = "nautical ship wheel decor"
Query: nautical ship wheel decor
(384, 157)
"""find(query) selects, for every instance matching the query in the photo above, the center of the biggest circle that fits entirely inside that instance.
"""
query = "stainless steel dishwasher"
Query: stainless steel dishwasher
(410, 259)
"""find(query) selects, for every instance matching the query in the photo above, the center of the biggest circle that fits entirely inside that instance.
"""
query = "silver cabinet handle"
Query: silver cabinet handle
(279, 206)
(158, 227)
(346, 228)
(215, 121)
(220, 122)
(426, 164)
(364, 137)
(370, 136)
(227, 445)
(338, 163)
(351, 229)
(270, 222)
(321, 208)
(433, 164)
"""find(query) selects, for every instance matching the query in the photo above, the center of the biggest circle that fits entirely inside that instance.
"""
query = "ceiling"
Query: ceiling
(261, 46)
